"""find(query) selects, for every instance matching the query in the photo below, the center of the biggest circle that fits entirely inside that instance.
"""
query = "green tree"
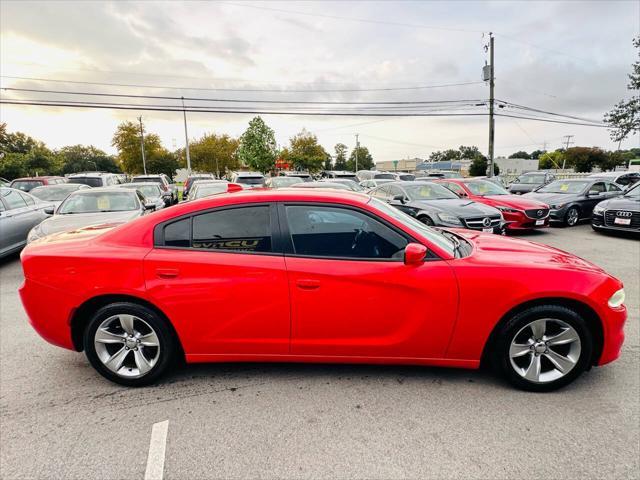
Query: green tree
(341, 157)
(450, 155)
(13, 165)
(520, 154)
(470, 153)
(42, 161)
(583, 159)
(613, 159)
(78, 158)
(537, 153)
(365, 160)
(16, 142)
(328, 165)
(550, 160)
(127, 140)
(480, 165)
(304, 152)
(214, 153)
(624, 118)
(257, 147)
(163, 161)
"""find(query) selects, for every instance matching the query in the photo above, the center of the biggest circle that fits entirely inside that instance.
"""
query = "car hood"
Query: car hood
(456, 206)
(497, 249)
(62, 223)
(552, 198)
(621, 203)
(514, 201)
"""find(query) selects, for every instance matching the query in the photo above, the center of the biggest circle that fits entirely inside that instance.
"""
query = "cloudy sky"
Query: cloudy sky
(567, 57)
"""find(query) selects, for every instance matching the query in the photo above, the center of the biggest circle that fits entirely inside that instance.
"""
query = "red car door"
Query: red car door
(219, 277)
(351, 293)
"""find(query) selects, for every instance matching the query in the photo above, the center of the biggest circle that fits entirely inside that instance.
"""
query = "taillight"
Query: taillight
(234, 187)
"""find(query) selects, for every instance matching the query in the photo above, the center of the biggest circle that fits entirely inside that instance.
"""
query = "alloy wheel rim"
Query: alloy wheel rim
(545, 350)
(127, 345)
(572, 216)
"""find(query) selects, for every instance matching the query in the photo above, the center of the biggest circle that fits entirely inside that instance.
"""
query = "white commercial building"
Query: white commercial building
(516, 166)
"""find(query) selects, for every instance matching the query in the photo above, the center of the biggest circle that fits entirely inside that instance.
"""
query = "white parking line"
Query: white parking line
(155, 460)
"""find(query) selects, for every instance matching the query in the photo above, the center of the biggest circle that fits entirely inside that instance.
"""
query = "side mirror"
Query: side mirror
(149, 206)
(414, 254)
(400, 198)
(49, 210)
(462, 194)
(593, 193)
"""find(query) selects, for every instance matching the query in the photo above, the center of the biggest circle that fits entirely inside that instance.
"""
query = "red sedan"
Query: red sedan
(286, 275)
(519, 213)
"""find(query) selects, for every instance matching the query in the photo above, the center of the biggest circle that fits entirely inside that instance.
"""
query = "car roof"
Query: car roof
(41, 177)
(152, 175)
(90, 174)
(249, 174)
(136, 184)
(84, 191)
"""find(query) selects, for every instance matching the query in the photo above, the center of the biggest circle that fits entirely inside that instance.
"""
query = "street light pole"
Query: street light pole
(144, 163)
(357, 148)
(186, 138)
(491, 102)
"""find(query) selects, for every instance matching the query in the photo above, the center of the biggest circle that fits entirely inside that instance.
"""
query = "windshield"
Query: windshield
(531, 179)
(93, 202)
(146, 179)
(428, 191)
(250, 180)
(210, 189)
(408, 177)
(25, 185)
(53, 193)
(91, 181)
(560, 186)
(149, 191)
(379, 176)
(285, 181)
(349, 183)
(484, 187)
(634, 192)
(433, 235)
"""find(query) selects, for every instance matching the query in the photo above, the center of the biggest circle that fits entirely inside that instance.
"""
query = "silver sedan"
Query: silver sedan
(19, 213)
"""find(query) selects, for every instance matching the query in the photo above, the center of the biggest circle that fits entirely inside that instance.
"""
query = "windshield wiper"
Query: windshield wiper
(454, 240)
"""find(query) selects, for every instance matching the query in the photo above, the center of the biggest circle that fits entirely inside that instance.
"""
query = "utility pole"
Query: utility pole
(357, 148)
(144, 163)
(567, 142)
(186, 138)
(491, 105)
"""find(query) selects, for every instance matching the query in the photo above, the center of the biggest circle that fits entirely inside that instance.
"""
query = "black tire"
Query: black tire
(168, 346)
(506, 333)
(568, 217)
(426, 220)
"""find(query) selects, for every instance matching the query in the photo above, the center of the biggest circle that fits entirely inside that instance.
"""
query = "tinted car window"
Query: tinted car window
(341, 233)
(246, 229)
(612, 187)
(455, 188)
(13, 199)
(25, 185)
(598, 187)
(178, 234)
(91, 181)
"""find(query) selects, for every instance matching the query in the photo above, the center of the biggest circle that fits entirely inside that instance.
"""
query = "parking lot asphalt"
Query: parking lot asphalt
(60, 419)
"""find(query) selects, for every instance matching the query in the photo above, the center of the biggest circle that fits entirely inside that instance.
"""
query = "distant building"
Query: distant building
(516, 166)
(404, 165)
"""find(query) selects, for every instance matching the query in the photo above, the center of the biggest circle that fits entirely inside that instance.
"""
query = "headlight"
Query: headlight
(557, 206)
(445, 217)
(617, 299)
(502, 208)
(598, 210)
(34, 234)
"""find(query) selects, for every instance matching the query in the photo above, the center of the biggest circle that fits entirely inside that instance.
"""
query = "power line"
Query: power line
(235, 100)
(125, 106)
(550, 120)
(524, 107)
(248, 90)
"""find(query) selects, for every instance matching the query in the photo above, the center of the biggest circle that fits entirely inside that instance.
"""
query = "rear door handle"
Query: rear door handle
(167, 272)
(308, 284)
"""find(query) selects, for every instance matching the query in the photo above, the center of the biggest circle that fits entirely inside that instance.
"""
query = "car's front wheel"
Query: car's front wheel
(129, 344)
(543, 348)
(571, 217)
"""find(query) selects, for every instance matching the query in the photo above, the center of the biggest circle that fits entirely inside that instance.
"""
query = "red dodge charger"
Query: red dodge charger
(283, 275)
(519, 213)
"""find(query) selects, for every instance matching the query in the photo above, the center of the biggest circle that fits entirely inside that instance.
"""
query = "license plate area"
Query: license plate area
(622, 221)
(487, 230)
(539, 222)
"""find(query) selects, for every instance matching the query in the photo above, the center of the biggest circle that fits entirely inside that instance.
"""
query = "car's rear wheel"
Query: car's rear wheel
(543, 348)
(571, 217)
(129, 344)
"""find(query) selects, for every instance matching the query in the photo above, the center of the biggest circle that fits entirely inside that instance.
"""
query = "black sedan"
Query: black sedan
(434, 204)
(619, 213)
(573, 200)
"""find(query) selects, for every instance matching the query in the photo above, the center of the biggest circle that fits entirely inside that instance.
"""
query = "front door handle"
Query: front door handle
(308, 284)
(167, 272)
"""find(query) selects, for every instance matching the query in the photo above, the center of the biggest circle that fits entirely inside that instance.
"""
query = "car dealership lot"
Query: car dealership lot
(318, 421)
